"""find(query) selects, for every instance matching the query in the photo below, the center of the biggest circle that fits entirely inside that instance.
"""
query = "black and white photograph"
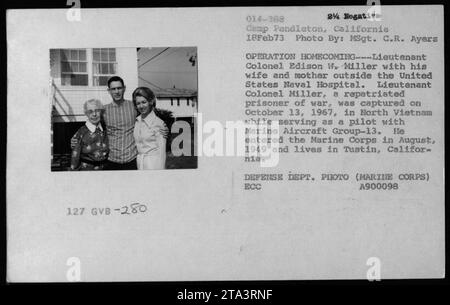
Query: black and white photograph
(138, 144)
(122, 108)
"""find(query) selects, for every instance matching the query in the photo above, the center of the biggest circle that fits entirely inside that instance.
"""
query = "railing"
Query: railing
(60, 104)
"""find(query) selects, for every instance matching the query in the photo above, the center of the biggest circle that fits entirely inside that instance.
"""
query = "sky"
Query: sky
(168, 67)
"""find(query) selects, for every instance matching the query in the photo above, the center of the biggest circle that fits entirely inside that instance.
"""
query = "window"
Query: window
(73, 67)
(103, 66)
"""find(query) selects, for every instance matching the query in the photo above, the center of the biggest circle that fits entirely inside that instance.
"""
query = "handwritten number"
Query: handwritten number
(134, 207)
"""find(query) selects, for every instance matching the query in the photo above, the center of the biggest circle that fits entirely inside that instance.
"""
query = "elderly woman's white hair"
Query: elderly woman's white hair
(97, 103)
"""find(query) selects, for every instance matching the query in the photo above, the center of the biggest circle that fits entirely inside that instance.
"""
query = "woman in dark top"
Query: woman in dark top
(91, 150)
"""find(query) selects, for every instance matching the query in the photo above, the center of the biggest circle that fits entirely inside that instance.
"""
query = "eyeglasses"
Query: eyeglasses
(89, 112)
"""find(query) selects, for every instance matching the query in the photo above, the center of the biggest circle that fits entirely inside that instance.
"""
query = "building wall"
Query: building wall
(68, 100)
(181, 109)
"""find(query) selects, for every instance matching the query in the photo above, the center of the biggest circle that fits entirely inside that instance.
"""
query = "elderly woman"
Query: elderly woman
(91, 149)
(149, 131)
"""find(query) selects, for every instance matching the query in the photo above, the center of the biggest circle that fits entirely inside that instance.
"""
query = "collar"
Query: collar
(92, 127)
(151, 117)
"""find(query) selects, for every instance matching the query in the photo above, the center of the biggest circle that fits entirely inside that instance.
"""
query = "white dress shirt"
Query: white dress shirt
(150, 141)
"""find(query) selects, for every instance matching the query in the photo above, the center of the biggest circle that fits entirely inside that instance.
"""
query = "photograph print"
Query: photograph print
(123, 108)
